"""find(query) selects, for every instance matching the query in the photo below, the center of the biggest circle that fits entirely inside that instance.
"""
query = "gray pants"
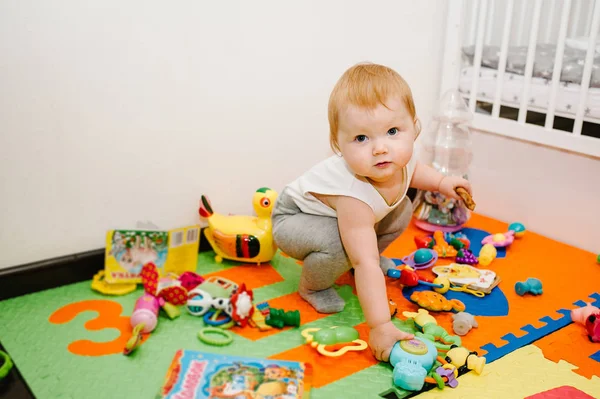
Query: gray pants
(316, 241)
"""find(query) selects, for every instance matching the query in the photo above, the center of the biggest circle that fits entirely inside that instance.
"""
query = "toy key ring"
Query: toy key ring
(7, 364)
(443, 285)
(226, 339)
(466, 290)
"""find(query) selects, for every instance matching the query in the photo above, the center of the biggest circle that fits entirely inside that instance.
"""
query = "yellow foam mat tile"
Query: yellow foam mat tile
(521, 373)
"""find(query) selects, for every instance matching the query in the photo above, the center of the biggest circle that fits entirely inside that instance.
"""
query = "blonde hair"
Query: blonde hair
(366, 85)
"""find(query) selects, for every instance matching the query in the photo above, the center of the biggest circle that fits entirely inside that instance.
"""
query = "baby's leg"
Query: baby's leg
(390, 227)
(316, 241)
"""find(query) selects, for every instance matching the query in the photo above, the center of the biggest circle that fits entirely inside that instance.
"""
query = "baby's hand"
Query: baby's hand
(449, 183)
(383, 337)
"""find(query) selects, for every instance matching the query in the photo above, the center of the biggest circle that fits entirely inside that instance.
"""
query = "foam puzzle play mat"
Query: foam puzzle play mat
(497, 311)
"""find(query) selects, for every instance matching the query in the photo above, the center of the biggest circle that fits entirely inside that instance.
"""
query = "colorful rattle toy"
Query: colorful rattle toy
(239, 237)
(216, 296)
(589, 317)
(324, 337)
(408, 277)
(531, 285)
(143, 320)
(413, 361)
(165, 293)
(463, 322)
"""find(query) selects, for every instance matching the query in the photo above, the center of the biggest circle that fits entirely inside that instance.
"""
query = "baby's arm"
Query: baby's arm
(356, 223)
(427, 178)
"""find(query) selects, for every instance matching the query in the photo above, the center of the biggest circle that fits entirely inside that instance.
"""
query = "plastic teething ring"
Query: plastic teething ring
(307, 333)
(362, 345)
(226, 340)
(211, 316)
(439, 380)
(6, 366)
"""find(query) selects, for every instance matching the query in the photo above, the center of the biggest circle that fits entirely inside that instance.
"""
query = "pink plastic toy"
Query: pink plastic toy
(579, 315)
(143, 319)
(500, 240)
(589, 317)
(190, 280)
(146, 312)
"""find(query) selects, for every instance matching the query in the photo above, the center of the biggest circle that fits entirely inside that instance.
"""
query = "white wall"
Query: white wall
(116, 112)
(552, 192)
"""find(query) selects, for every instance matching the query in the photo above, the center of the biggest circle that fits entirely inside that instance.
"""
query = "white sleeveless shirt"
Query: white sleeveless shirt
(333, 176)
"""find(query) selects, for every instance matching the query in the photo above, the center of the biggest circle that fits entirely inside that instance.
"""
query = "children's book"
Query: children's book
(477, 279)
(172, 251)
(196, 375)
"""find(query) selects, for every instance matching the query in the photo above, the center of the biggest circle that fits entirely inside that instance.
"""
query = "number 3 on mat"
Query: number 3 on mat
(109, 316)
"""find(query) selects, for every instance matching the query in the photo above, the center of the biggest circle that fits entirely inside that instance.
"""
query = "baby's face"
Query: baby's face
(377, 143)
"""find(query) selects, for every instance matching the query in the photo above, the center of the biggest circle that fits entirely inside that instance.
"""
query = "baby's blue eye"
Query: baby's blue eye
(393, 131)
(361, 138)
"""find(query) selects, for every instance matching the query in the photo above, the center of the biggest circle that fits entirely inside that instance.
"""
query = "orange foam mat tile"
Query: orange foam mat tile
(571, 344)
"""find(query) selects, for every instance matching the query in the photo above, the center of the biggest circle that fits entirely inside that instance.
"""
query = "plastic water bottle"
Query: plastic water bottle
(446, 146)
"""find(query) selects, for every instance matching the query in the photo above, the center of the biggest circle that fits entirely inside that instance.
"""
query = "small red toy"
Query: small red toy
(242, 305)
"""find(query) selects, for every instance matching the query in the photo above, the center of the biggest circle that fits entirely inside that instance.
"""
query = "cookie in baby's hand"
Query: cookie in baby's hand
(466, 197)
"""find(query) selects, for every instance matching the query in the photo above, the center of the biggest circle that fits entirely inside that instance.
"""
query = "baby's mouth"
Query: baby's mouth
(382, 164)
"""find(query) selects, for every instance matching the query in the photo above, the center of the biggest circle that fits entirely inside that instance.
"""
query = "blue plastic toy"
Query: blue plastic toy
(531, 285)
(412, 361)
(518, 228)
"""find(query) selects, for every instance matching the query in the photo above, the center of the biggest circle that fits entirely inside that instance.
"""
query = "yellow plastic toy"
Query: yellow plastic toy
(239, 237)
(461, 357)
(487, 254)
(101, 285)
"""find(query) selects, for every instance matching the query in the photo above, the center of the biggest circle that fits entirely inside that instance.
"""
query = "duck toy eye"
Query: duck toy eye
(265, 202)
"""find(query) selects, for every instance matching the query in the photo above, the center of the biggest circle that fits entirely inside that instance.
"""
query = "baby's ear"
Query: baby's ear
(417, 123)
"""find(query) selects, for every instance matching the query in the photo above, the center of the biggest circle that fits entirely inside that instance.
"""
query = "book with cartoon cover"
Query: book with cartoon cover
(196, 375)
(172, 251)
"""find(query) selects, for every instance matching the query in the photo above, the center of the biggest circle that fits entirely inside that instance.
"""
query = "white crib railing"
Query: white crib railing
(526, 23)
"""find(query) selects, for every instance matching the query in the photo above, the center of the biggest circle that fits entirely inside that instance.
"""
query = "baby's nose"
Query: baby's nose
(379, 148)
